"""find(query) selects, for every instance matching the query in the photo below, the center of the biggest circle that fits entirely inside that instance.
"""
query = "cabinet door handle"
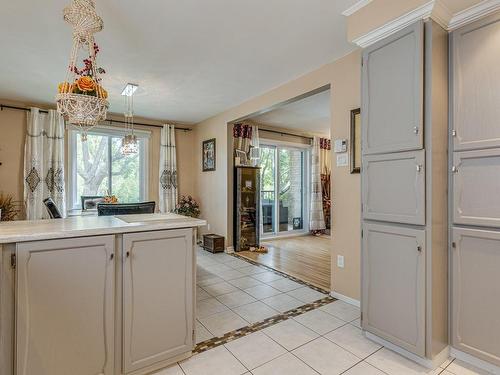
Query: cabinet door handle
(128, 254)
(112, 256)
(454, 169)
(453, 133)
(419, 167)
(419, 248)
(415, 129)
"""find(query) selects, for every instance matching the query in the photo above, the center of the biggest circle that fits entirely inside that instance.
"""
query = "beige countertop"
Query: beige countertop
(26, 230)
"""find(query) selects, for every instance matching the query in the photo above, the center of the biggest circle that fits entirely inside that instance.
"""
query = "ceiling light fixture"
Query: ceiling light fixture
(129, 141)
(81, 98)
(130, 89)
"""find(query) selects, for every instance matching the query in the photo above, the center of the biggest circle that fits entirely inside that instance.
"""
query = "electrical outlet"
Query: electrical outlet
(340, 261)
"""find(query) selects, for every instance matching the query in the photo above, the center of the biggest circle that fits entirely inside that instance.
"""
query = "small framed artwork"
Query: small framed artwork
(355, 141)
(240, 157)
(209, 155)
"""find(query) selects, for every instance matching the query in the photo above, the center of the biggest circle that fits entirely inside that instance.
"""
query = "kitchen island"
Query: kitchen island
(97, 295)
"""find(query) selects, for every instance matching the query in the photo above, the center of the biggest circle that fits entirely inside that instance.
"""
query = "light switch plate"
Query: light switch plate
(340, 261)
(342, 160)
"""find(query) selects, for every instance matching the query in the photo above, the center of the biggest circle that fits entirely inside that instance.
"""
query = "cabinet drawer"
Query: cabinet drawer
(394, 187)
(476, 79)
(475, 290)
(393, 285)
(476, 186)
(392, 93)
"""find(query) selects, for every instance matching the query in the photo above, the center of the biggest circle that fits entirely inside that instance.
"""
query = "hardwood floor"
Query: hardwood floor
(306, 258)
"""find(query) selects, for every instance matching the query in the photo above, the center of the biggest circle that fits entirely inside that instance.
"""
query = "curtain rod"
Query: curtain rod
(2, 106)
(285, 133)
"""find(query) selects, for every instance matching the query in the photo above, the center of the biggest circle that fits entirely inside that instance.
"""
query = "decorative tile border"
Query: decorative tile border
(241, 332)
(305, 283)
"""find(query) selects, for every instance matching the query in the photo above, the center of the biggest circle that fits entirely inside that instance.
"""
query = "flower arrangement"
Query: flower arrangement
(187, 206)
(86, 81)
(110, 199)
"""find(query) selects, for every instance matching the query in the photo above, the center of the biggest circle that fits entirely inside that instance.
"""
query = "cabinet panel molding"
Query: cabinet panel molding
(394, 187)
(65, 307)
(475, 290)
(393, 285)
(392, 98)
(476, 182)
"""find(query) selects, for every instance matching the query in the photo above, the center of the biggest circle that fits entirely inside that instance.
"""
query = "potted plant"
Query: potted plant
(187, 206)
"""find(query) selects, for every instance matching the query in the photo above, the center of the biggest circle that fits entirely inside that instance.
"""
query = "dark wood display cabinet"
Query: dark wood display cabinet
(246, 207)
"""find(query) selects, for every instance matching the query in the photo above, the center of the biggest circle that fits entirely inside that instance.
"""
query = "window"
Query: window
(97, 167)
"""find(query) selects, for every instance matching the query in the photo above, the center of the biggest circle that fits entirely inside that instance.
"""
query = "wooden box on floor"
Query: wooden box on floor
(213, 243)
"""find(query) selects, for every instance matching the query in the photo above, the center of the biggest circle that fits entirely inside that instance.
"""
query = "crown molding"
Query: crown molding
(482, 9)
(441, 14)
(422, 12)
(357, 6)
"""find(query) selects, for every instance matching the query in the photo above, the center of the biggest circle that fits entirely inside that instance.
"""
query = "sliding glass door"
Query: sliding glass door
(283, 189)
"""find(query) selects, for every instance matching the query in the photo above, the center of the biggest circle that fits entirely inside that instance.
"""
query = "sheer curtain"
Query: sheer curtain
(168, 170)
(44, 163)
(316, 216)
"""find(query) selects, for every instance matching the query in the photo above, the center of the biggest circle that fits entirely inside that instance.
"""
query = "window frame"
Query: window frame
(73, 202)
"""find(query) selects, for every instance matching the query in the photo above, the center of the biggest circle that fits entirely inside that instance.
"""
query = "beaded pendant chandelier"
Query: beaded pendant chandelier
(81, 98)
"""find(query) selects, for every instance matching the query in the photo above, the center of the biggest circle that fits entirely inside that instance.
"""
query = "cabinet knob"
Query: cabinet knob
(128, 254)
(419, 167)
(454, 169)
(454, 133)
(112, 256)
(419, 248)
(415, 129)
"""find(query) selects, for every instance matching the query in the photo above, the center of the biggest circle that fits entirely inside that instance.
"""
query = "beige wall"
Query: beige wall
(13, 131)
(213, 188)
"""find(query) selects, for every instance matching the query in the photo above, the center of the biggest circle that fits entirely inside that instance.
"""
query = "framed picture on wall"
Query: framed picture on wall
(355, 140)
(209, 157)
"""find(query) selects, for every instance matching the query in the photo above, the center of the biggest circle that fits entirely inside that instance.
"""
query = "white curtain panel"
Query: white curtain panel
(316, 217)
(168, 170)
(44, 163)
(254, 142)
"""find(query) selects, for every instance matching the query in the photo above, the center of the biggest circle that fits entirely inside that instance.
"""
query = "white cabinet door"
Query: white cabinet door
(476, 187)
(65, 307)
(393, 285)
(476, 83)
(476, 293)
(392, 93)
(394, 187)
(158, 297)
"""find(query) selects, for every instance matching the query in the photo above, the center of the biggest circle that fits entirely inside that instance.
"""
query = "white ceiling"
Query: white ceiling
(191, 58)
(311, 114)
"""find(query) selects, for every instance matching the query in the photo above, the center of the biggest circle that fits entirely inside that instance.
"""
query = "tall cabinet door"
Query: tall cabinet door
(476, 79)
(393, 285)
(65, 307)
(392, 100)
(158, 297)
(475, 261)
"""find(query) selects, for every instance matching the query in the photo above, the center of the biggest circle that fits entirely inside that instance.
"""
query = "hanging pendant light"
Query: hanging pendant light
(81, 98)
(129, 141)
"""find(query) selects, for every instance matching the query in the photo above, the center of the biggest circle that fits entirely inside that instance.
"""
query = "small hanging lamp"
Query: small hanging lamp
(129, 141)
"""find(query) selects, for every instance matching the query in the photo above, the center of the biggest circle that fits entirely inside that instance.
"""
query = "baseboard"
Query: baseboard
(474, 361)
(349, 300)
(428, 363)
(230, 250)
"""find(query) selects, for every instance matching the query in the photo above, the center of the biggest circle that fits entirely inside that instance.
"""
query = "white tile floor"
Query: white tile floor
(233, 293)
(326, 341)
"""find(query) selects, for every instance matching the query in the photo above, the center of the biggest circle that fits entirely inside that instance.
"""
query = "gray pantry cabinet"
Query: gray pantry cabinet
(404, 189)
(475, 198)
